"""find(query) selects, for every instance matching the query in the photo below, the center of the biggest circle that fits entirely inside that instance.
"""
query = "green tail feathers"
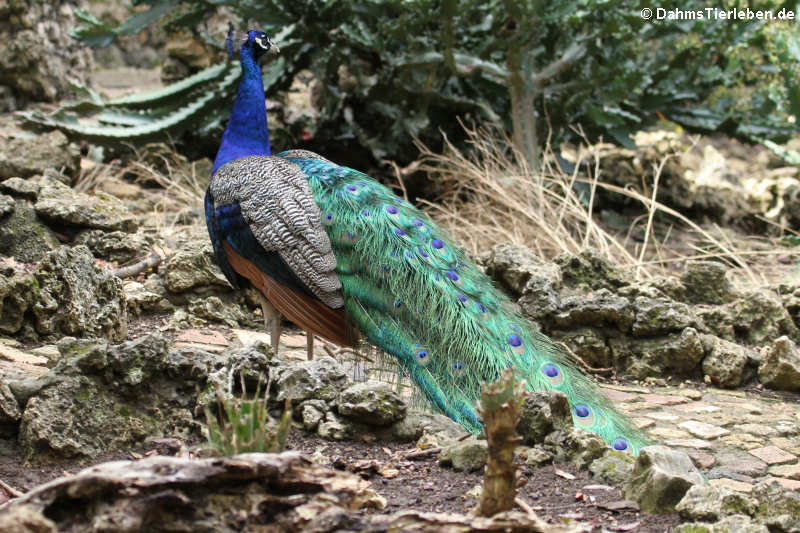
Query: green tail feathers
(416, 296)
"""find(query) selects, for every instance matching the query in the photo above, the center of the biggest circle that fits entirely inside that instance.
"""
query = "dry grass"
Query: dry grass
(491, 197)
(171, 186)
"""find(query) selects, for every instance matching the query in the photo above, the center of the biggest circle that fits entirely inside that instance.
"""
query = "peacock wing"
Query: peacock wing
(275, 201)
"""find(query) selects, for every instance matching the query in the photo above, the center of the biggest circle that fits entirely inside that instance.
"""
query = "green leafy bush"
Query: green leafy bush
(392, 70)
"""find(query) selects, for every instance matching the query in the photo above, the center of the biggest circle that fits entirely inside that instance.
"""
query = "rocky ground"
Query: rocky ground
(101, 362)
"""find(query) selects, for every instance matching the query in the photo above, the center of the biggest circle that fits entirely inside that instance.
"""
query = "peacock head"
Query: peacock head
(256, 41)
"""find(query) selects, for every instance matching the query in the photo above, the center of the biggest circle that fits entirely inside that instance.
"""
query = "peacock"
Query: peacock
(344, 258)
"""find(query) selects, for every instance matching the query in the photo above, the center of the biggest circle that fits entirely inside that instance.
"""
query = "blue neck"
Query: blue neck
(247, 132)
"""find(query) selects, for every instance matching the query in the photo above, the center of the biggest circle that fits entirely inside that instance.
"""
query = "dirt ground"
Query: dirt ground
(556, 493)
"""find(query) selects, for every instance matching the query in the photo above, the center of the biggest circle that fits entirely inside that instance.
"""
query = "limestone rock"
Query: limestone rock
(220, 309)
(75, 297)
(589, 269)
(321, 379)
(41, 154)
(16, 297)
(372, 403)
(192, 266)
(678, 353)
(516, 266)
(61, 205)
(542, 413)
(587, 343)
(117, 246)
(524, 274)
(703, 502)
(140, 300)
(23, 236)
(706, 283)
(761, 318)
(601, 308)
(780, 367)
(333, 428)
(20, 188)
(6, 205)
(286, 491)
(312, 413)
(468, 455)
(39, 60)
(658, 316)
(660, 479)
(576, 446)
(417, 424)
(779, 508)
(728, 524)
(725, 361)
(101, 398)
(614, 467)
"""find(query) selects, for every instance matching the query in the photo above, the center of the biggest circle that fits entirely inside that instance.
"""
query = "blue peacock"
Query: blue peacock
(344, 258)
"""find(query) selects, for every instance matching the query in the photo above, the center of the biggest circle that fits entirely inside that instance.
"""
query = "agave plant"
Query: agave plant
(243, 425)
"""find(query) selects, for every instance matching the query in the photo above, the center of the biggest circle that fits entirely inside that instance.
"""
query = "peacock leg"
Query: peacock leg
(272, 322)
(310, 345)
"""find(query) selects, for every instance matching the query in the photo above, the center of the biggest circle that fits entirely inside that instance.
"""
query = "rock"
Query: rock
(42, 154)
(225, 310)
(333, 428)
(778, 508)
(116, 246)
(59, 204)
(16, 296)
(703, 502)
(20, 188)
(9, 407)
(90, 355)
(678, 353)
(468, 455)
(587, 343)
(543, 412)
(706, 283)
(780, 367)
(725, 361)
(761, 318)
(373, 403)
(192, 266)
(23, 236)
(718, 320)
(524, 274)
(660, 316)
(575, 446)
(39, 60)
(6, 205)
(141, 301)
(590, 270)
(534, 456)
(660, 479)
(321, 379)
(101, 398)
(669, 286)
(728, 524)
(75, 297)
(601, 308)
(416, 424)
(613, 467)
(312, 413)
